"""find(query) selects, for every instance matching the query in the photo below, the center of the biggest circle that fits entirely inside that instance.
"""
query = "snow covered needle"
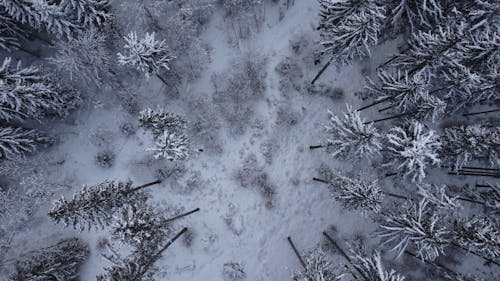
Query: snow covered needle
(351, 137)
(171, 146)
(479, 233)
(146, 54)
(436, 195)
(411, 150)
(372, 269)
(416, 225)
(318, 268)
(356, 194)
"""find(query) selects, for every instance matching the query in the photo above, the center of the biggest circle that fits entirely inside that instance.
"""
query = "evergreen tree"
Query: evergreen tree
(19, 141)
(138, 224)
(318, 267)
(23, 11)
(137, 267)
(171, 146)
(411, 150)
(462, 145)
(350, 136)
(356, 194)
(401, 89)
(437, 196)
(146, 54)
(58, 262)
(415, 225)
(160, 120)
(95, 205)
(86, 59)
(10, 32)
(26, 92)
(90, 14)
(355, 33)
(479, 234)
(371, 269)
(415, 14)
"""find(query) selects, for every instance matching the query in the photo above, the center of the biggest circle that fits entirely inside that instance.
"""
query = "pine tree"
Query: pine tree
(371, 269)
(137, 267)
(160, 120)
(146, 54)
(138, 224)
(411, 150)
(318, 267)
(10, 32)
(58, 262)
(479, 234)
(23, 11)
(354, 35)
(437, 196)
(429, 51)
(16, 142)
(350, 136)
(401, 89)
(85, 58)
(171, 146)
(415, 225)
(90, 14)
(462, 145)
(26, 92)
(356, 194)
(415, 14)
(95, 205)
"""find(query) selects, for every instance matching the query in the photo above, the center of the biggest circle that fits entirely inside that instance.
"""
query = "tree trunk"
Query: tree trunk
(321, 180)
(183, 215)
(297, 253)
(481, 112)
(316, 146)
(390, 117)
(374, 103)
(475, 253)
(145, 185)
(322, 70)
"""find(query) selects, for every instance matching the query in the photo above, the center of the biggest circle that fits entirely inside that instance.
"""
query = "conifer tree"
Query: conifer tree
(90, 14)
(16, 142)
(462, 145)
(416, 225)
(159, 121)
(479, 234)
(146, 54)
(26, 92)
(58, 262)
(171, 146)
(350, 136)
(370, 268)
(95, 205)
(411, 150)
(318, 267)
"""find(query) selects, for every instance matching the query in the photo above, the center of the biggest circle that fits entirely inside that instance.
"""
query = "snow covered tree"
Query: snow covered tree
(90, 14)
(10, 32)
(350, 136)
(85, 58)
(171, 146)
(411, 150)
(160, 120)
(23, 11)
(138, 223)
(318, 267)
(146, 54)
(16, 142)
(356, 194)
(437, 196)
(462, 145)
(479, 234)
(399, 88)
(26, 92)
(58, 262)
(429, 51)
(137, 267)
(353, 36)
(371, 269)
(415, 225)
(415, 14)
(95, 205)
